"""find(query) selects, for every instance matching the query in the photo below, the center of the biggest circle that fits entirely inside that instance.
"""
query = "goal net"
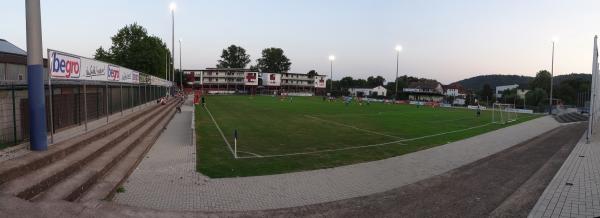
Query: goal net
(503, 113)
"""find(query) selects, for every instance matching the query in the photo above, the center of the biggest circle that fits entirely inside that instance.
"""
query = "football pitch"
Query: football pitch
(306, 133)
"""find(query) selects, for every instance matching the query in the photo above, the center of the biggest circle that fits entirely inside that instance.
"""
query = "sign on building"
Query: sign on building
(251, 78)
(271, 79)
(320, 82)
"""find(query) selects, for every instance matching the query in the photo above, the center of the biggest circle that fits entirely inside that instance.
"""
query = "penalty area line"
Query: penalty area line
(365, 146)
(353, 127)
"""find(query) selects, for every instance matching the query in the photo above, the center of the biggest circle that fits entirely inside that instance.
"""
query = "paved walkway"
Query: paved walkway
(575, 189)
(166, 178)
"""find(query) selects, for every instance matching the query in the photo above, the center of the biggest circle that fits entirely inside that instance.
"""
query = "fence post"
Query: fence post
(121, 99)
(131, 94)
(85, 109)
(106, 93)
(97, 102)
(51, 109)
(14, 110)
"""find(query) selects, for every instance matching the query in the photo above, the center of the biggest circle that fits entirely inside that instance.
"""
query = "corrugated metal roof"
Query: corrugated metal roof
(7, 47)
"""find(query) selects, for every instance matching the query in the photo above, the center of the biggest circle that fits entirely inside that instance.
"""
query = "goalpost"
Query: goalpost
(503, 113)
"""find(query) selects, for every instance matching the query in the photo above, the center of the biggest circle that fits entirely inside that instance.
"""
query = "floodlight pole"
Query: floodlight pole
(331, 74)
(173, 43)
(35, 77)
(166, 69)
(180, 69)
(551, 79)
(396, 79)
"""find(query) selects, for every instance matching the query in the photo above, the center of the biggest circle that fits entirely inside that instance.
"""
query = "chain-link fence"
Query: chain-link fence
(69, 104)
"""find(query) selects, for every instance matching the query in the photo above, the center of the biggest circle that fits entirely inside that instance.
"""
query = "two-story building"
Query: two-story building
(455, 94)
(365, 92)
(238, 80)
(425, 91)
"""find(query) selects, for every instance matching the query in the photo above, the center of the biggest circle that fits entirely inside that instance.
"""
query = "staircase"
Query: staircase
(90, 166)
(571, 117)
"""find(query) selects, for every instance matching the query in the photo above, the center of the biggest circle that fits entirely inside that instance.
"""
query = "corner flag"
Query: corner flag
(235, 137)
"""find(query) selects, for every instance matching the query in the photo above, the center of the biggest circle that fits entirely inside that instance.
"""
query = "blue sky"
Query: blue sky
(445, 40)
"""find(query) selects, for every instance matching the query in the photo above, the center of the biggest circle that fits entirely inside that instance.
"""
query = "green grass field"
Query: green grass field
(307, 133)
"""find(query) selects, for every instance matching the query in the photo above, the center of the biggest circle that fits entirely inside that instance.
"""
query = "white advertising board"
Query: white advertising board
(63, 65)
(159, 82)
(271, 79)
(113, 74)
(251, 78)
(320, 82)
(93, 70)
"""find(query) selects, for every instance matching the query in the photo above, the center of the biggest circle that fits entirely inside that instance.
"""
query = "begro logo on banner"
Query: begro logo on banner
(65, 66)
(113, 73)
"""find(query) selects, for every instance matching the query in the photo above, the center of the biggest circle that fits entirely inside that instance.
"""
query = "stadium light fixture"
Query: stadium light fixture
(398, 48)
(172, 6)
(331, 58)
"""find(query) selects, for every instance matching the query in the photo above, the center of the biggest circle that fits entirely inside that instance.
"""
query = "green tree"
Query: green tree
(487, 93)
(312, 73)
(537, 98)
(234, 57)
(133, 48)
(103, 55)
(541, 81)
(273, 61)
(373, 82)
(346, 82)
(359, 83)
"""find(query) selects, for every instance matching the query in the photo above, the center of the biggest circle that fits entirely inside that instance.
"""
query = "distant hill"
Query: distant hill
(576, 76)
(476, 83)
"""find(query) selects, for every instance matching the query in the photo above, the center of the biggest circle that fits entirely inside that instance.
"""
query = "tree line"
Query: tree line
(567, 89)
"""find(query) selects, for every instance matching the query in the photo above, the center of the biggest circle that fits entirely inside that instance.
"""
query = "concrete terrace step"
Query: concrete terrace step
(20, 166)
(570, 117)
(35, 182)
(106, 186)
(73, 186)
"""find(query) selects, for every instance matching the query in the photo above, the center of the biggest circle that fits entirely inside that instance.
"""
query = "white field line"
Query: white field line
(220, 131)
(353, 127)
(250, 153)
(366, 146)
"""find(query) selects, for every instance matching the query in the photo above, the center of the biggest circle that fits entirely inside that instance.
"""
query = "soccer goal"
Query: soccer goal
(503, 113)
